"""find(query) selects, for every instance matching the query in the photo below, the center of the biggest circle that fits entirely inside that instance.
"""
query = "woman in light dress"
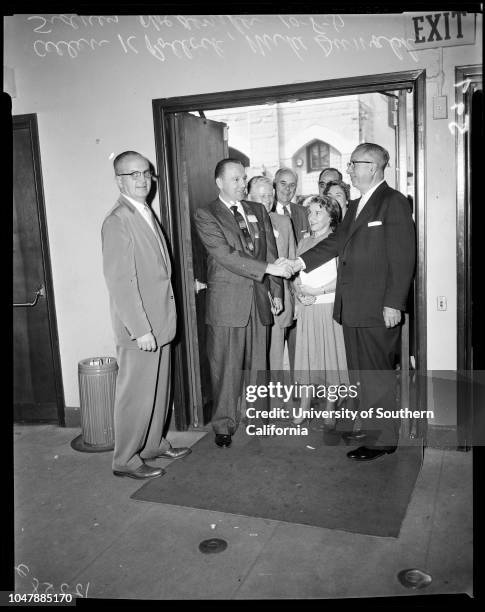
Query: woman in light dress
(320, 352)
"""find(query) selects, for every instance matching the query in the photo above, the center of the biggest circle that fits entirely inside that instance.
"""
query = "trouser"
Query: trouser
(231, 351)
(141, 402)
(371, 358)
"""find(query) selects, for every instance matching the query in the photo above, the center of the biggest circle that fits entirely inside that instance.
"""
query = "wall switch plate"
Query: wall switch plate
(440, 107)
(442, 303)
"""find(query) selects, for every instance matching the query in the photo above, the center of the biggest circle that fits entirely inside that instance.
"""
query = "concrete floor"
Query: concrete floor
(77, 530)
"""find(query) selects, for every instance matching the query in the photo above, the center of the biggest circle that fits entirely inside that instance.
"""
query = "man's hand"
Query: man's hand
(392, 316)
(307, 300)
(280, 269)
(295, 264)
(278, 306)
(147, 342)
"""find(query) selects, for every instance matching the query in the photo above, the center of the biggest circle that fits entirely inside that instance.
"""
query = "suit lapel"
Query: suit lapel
(227, 219)
(366, 212)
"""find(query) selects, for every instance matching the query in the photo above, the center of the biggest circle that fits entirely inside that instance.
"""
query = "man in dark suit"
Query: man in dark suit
(241, 248)
(375, 244)
(137, 270)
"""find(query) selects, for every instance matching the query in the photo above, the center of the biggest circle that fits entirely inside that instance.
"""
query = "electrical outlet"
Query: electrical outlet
(440, 107)
(442, 304)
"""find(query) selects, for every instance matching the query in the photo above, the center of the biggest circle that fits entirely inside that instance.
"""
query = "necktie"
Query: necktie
(149, 218)
(243, 227)
(285, 210)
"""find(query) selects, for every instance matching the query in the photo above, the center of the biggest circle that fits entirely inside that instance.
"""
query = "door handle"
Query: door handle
(40, 292)
(199, 286)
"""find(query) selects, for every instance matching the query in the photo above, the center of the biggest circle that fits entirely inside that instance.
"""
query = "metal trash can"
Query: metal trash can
(97, 385)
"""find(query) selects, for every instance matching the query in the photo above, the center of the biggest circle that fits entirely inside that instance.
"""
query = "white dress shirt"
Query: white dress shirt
(280, 208)
(147, 214)
(237, 203)
(365, 198)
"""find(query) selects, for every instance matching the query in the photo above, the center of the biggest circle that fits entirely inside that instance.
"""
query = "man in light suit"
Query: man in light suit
(375, 244)
(241, 249)
(137, 270)
(260, 190)
(285, 183)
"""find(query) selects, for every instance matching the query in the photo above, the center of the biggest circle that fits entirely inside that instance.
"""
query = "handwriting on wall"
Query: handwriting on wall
(165, 37)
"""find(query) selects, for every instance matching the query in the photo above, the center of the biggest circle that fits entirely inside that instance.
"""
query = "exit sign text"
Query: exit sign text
(439, 29)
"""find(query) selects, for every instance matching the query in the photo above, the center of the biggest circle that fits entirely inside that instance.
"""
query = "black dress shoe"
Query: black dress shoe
(363, 453)
(175, 453)
(223, 439)
(141, 473)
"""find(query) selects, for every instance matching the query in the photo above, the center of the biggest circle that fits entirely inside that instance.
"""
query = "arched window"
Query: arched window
(318, 155)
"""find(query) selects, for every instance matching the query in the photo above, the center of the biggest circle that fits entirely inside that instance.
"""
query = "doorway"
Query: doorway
(178, 196)
(38, 391)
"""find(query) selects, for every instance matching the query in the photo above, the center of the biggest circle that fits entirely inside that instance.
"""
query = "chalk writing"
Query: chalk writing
(460, 108)
(72, 47)
(465, 83)
(80, 590)
(185, 46)
(155, 20)
(73, 21)
(453, 126)
(128, 43)
(258, 43)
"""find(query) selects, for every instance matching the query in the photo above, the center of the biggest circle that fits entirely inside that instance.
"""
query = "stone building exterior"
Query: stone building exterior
(310, 135)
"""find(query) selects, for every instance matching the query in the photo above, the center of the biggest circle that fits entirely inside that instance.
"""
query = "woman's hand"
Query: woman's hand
(307, 300)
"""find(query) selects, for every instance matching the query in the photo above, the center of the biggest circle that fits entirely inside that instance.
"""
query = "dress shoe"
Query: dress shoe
(174, 453)
(223, 440)
(363, 453)
(141, 473)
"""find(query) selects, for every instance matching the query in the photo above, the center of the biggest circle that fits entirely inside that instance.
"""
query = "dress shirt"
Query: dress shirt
(365, 198)
(147, 214)
(280, 208)
(240, 208)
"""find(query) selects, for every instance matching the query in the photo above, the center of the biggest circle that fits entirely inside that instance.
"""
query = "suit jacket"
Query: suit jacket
(299, 220)
(137, 276)
(376, 258)
(286, 247)
(234, 273)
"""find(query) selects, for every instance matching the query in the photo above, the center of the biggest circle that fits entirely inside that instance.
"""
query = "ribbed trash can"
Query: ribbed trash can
(97, 385)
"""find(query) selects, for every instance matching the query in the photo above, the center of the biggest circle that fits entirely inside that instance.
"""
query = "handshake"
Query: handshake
(284, 267)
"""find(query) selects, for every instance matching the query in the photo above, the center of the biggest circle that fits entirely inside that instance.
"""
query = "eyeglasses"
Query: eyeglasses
(351, 164)
(137, 174)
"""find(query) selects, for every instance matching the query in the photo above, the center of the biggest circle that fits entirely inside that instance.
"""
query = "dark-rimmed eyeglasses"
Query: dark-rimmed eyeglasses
(352, 163)
(137, 174)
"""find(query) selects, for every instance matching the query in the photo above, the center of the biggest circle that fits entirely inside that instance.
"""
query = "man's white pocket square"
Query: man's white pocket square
(252, 219)
(372, 223)
(276, 233)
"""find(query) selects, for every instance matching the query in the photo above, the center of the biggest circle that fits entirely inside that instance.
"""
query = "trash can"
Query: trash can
(97, 385)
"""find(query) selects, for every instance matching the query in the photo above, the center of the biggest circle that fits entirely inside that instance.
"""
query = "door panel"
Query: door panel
(36, 394)
(198, 145)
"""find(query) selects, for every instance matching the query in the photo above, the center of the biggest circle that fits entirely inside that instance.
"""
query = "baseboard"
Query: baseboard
(72, 416)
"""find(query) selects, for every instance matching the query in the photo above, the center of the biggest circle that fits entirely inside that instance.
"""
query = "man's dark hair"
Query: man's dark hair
(219, 171)
(121, 157)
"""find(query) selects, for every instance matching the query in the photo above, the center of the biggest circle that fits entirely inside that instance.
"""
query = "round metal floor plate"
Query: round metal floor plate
(414, 578)
(213, 545)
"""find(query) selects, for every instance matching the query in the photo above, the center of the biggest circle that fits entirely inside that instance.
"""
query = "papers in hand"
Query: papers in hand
(322, 275)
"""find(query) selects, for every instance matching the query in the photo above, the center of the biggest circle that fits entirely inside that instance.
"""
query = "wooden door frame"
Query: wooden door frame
(465, 389)
(414, 80)
(30, 123)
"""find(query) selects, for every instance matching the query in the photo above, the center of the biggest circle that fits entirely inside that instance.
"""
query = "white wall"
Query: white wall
(92, 102)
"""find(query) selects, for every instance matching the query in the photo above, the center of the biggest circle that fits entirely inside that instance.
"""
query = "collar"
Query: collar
(281, 207)
(365, 196)
(138, 205)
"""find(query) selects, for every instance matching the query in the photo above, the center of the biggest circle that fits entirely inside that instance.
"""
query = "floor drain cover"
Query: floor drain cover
(214, 545)
(414, 578)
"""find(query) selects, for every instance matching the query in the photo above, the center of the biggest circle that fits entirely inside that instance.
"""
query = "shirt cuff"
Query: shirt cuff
(302, 263)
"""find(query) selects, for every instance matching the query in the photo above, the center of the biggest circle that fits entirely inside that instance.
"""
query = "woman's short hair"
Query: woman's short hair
(344, 186)
(327, 203)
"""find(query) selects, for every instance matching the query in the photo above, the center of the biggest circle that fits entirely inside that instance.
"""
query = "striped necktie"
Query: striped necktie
(243, 227)
(285, 210)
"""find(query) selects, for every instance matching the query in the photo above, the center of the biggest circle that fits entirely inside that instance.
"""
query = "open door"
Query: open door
(197, 144)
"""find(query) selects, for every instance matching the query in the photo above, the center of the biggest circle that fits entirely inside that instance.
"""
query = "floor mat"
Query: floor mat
(297, 479)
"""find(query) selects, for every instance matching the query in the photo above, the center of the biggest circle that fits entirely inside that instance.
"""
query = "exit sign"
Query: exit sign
(439, 29)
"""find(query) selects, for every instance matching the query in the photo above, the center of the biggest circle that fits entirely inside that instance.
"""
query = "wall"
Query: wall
(91, 82)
